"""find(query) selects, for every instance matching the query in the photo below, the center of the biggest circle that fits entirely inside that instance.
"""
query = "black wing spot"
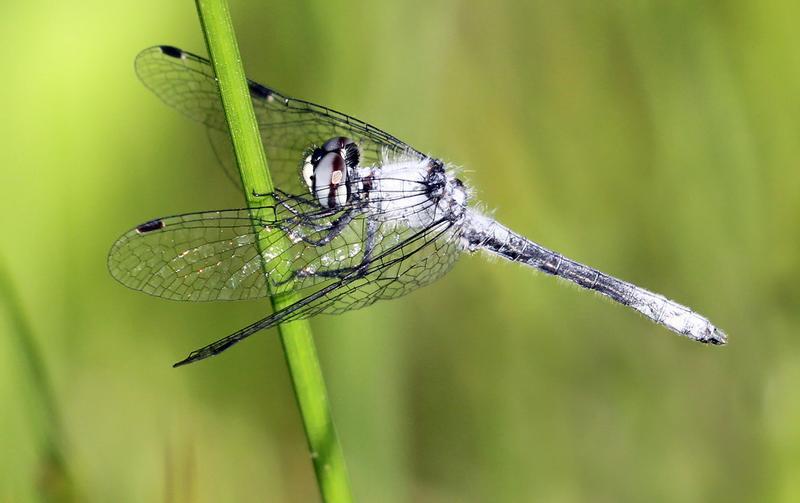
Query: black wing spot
(171, 51)
(259, 91)
(152, 225)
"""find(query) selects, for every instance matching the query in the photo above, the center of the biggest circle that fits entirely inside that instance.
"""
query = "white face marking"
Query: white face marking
(308, 170)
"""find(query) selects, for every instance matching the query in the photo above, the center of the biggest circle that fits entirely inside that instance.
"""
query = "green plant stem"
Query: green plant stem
(296, 338)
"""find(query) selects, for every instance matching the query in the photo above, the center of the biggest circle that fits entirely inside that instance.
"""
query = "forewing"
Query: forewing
(289, 127)
(230, 255)
(223, 255)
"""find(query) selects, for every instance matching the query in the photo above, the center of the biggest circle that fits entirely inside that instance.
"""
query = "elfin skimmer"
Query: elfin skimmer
(359, 216)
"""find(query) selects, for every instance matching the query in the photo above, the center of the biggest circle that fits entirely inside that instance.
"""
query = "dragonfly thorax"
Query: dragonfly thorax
(328, 171)
(417, 191)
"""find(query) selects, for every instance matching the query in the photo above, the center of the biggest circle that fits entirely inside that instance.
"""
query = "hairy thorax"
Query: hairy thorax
(417, 191)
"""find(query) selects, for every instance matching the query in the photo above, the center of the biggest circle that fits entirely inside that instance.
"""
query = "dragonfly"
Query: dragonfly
(357, 216)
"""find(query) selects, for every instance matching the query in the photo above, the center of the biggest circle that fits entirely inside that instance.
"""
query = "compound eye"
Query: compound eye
(337, 143)
(329, 183)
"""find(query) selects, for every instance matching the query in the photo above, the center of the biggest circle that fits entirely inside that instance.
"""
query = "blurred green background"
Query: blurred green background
(658, 141)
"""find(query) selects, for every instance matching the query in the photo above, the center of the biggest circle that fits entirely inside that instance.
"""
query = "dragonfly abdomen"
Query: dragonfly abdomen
(484, 233)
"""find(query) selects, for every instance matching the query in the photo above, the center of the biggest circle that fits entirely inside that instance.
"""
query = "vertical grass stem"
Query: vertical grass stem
(296, 337)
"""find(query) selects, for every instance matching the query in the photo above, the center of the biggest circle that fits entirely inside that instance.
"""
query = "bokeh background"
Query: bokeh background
(658, 141)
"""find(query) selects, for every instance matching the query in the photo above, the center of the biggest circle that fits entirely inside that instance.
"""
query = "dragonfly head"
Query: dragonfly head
(328, 169)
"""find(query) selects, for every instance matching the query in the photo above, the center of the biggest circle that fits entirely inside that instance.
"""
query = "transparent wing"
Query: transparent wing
(409, 260)
(289, 127)
(222, 255)
(403, 264)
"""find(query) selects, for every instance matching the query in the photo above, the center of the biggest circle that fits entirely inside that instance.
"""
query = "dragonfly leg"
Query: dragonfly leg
(322, 273)
(371, 233)
(332, 230)
(284, 200)
(329, 231)
(255, 193)
(283, 197)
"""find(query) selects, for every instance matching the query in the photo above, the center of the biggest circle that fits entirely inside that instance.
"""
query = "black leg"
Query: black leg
(330, 230)
(303, 218)
(371, 232)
